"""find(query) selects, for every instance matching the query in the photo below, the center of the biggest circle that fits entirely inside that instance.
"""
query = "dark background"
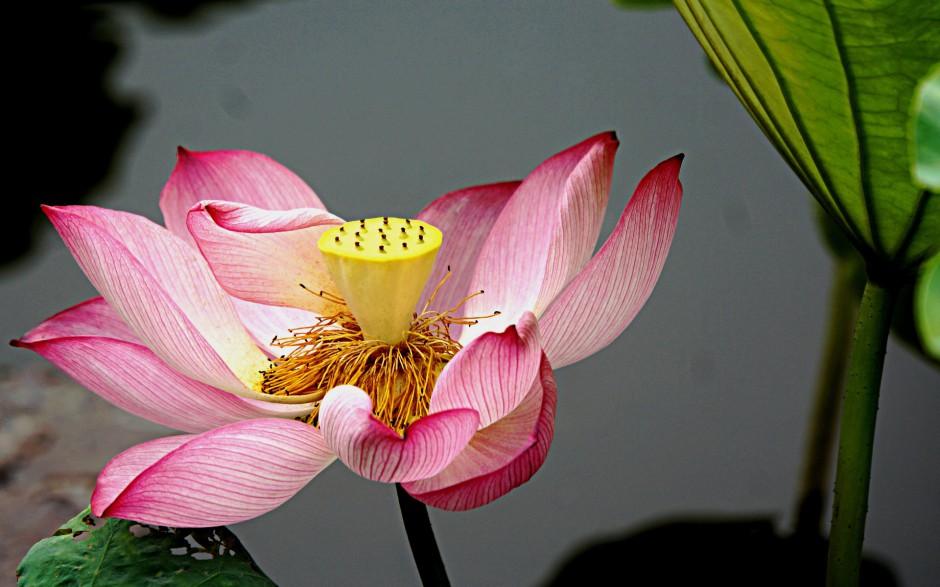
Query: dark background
(700, 407)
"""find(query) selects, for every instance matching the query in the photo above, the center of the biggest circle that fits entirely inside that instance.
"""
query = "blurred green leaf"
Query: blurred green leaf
(926, 117)
(90, 551)
(829, 82)
(927, 307)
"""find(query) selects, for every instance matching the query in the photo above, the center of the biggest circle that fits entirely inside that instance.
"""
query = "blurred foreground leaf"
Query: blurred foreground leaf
(830, 84)
(926, 172)
(926, 117)
(927, 307)
(91, 551)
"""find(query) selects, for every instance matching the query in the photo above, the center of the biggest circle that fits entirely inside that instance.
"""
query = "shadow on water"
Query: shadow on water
(732, 551)
(69, 121)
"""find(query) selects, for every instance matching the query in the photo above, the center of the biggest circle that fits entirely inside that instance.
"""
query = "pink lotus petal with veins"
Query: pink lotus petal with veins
(182, 334)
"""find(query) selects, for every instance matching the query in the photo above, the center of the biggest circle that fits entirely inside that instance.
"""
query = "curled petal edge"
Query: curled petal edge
(236, 176)
(267, 257)
(497, 479)
(373, 450)
(493, 373)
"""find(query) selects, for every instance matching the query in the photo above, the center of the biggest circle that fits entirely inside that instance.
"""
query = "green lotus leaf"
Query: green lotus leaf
(90, 551)
(830, 83)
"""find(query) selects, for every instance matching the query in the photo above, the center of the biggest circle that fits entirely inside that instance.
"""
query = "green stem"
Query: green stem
(857, 436)
(843, 305)
(421, 538)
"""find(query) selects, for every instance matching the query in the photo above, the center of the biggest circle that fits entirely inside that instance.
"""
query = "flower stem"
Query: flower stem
(843, 306)
(421, 538)
(857, 436)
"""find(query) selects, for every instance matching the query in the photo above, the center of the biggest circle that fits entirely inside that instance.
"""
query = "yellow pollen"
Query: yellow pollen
(381, 276)
(399, 378)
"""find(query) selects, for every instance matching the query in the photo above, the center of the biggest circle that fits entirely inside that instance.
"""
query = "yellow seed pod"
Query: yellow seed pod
(380, 266)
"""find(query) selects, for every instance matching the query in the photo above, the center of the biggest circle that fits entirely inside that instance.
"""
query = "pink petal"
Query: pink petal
(180, 403)
(545, 234)
(131, 377)
(605, 298)
(219, 477)
(164, 290)
(233, 176)
(124, 468)
(263, 256)
(466, 218)
(266, 322)
(494, 446)
(500, 457)
(375, 451)
(492, 374)
(92, 317)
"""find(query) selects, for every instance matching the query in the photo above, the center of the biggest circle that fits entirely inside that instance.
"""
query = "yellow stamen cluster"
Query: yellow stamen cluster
(379, 344)
(399, 378)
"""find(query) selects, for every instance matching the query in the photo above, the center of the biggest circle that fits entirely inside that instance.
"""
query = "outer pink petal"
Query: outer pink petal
(233, 176)
(131, 377)
(466, 218)
(263, 256)
(492, 464)
(95, 319)
(92, 317)
(164, 290)
(605, 298)
(375, 451)
(544, 235)
(492, 374)
(219, 477)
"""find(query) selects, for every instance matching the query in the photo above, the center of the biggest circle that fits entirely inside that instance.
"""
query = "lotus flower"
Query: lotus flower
(458, 406)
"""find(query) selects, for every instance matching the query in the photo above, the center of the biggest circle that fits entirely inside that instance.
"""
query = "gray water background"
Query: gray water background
(699, 407)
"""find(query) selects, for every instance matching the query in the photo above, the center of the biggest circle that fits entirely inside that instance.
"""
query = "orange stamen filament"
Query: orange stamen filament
(399, 378)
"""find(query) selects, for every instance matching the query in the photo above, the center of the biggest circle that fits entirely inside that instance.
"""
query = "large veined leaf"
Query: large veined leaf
(89, 551)
(830, 83)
